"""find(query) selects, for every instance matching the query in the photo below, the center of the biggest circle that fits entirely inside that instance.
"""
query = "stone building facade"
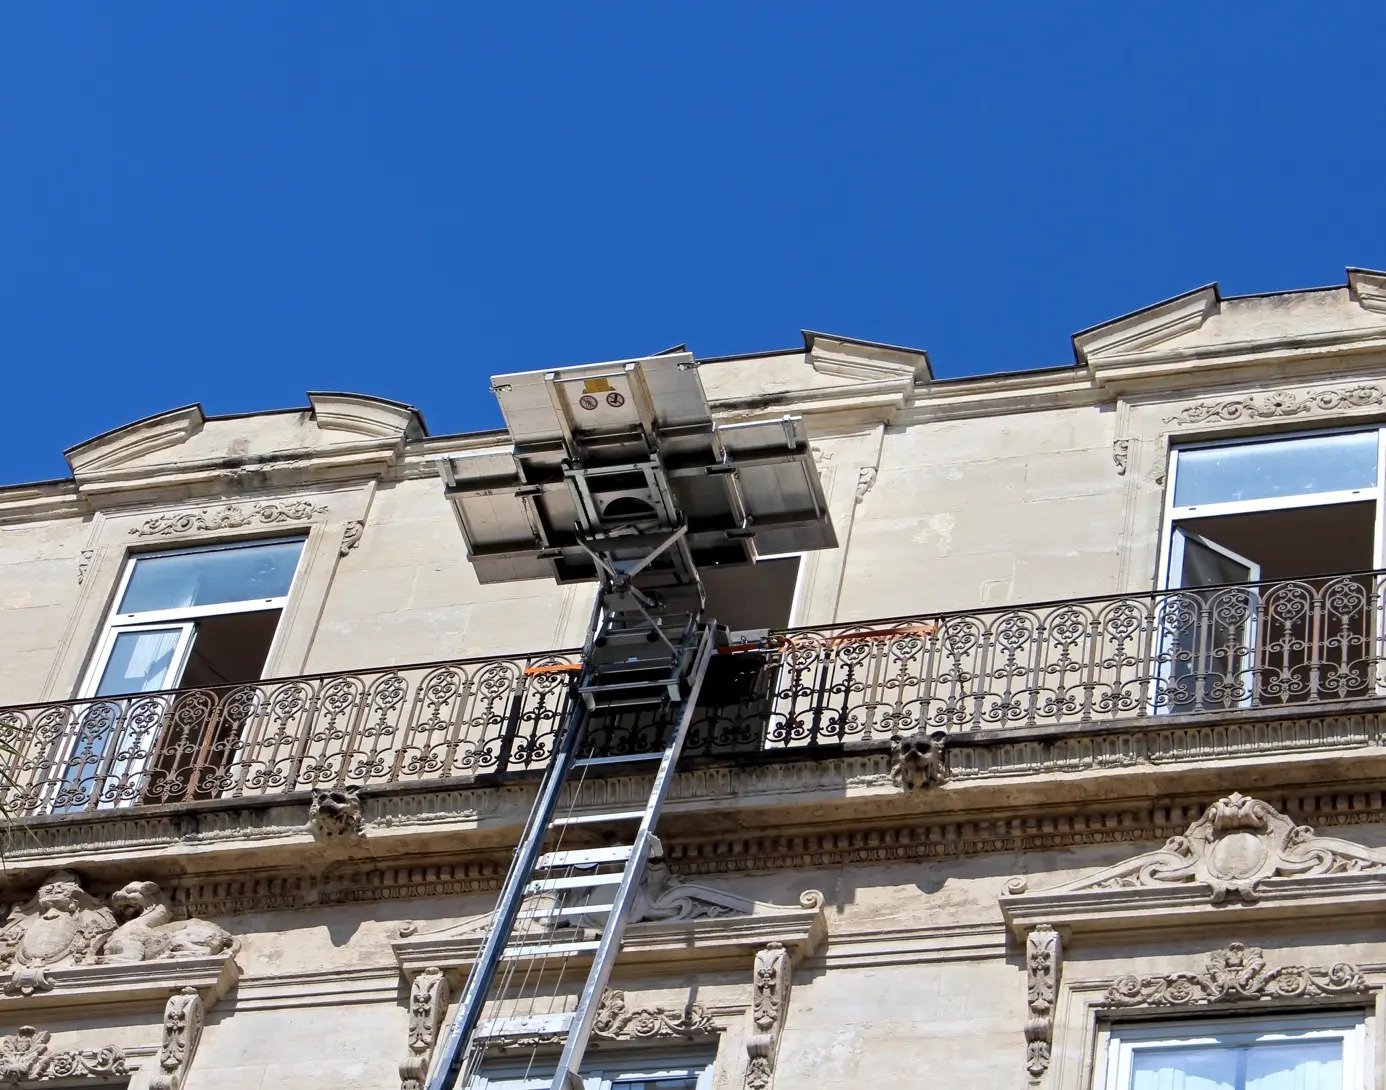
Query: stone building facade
(1063, 770)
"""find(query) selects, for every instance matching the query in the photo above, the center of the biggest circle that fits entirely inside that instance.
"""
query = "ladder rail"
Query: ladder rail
(510, 899)
(508, 905)
(567, 1075)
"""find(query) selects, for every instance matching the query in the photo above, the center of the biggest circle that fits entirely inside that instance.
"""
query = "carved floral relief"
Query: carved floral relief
(1237, 973)
(26, 1057)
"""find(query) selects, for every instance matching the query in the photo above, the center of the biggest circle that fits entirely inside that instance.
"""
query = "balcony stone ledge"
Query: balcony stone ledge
(1003, 791)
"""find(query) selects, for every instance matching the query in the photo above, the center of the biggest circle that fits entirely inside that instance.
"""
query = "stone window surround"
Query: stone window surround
(1242, 870)
(1084, 1020)
(1147, 430)
(331, 518)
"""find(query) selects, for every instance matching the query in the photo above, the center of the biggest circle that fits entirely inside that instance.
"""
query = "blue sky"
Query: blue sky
(233, 203)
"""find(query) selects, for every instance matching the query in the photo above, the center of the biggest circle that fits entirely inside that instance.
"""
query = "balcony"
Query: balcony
(1213, 651)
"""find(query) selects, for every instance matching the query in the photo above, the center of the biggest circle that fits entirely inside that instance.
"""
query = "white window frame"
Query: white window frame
(184, 619)
(600, 1073)
(1168, 574)
(1166, 577)
(1122, 1040)
(183, 616)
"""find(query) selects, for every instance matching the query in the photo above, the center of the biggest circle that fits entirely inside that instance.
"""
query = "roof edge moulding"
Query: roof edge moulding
(1368, 287)
(1144, 329)
(362, 414)
(865, 361)
(1203, 338)
(136, 440)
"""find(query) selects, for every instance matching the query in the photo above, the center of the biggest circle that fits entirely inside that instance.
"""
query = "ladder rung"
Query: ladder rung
(620, 759)
(543, 950)
(596, 819)
(583, 857)
(531, 1025)
(576, 881)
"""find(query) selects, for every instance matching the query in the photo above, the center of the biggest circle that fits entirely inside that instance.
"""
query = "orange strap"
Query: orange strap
(553, 668)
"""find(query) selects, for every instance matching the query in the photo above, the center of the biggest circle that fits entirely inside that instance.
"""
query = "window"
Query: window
(1322, 1053)
(190, 619)
(656, 1072)
(1304, 507)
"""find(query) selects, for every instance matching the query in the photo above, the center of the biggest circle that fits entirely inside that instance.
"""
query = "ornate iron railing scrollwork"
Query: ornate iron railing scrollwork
(1199, 651)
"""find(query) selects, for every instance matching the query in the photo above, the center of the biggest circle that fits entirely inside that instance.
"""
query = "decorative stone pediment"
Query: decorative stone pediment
(65, 939)
(1145, 328)
(1241, 853)
(673, 920)
(1237, 844)
(136, 441)
(364, 415)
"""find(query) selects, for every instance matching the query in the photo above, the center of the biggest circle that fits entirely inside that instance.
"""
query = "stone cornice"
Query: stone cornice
(142, 983)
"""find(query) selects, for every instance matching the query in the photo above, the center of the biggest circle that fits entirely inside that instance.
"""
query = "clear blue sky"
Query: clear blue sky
(232, 203)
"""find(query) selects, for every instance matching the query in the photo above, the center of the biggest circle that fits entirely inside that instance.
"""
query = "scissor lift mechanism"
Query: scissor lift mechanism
(619, 475)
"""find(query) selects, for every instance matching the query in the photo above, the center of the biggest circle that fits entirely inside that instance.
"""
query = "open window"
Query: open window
(1300, 514)
(187, 619)
(1325, 1052)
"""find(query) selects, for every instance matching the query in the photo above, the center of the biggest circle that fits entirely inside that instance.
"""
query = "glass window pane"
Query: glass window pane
(1281, 467)
(211, 578)
(1188, 1067)
(140, 662)
(1296, 1065)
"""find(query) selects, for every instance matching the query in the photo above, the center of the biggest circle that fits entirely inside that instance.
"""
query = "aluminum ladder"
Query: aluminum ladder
(633, 662)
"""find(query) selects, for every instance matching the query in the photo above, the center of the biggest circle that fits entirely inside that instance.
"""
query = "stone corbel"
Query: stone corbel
(184, 1016)
(770, 983)
(428, 1002)
(1043, 958)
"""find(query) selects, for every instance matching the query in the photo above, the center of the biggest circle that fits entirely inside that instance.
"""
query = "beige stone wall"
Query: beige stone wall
(40, 568)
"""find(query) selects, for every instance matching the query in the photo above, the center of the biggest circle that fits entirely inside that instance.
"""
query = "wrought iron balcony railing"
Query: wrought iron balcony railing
(1211, 651)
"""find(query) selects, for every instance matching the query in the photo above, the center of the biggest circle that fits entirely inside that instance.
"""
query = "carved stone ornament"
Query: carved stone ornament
(336, 812)
(615, 1021)
(918, 760)
(184, 1016)
(351, 535)
(1238, 843)
(1121, 455)
(1043, 955)
(26, 1057)
(1236, 974)
(770, 982)
(1280, 404)
(866, 478)
(230, 516)
(63, 925)
(428, 1002)
(150, 933)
